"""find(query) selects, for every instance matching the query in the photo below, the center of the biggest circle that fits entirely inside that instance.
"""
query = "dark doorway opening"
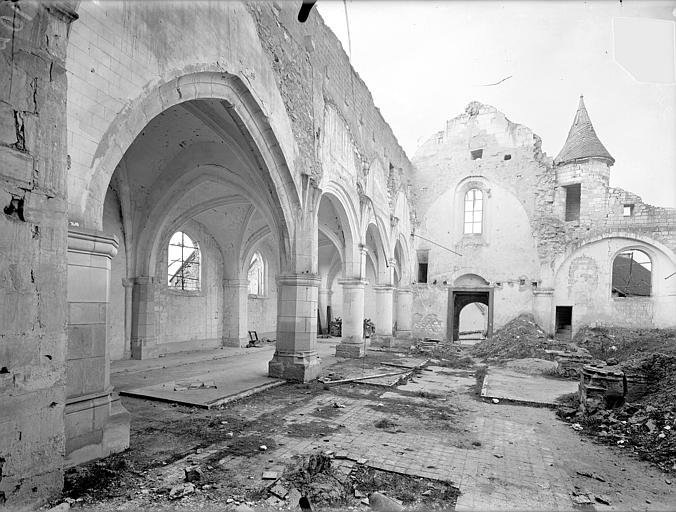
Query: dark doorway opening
(458, 298)
(564, 322)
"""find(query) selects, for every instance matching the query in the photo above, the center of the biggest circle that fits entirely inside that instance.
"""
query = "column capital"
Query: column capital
(326, 291)
(299, 280)
(353, 282)
(92, 242)
(403, 291)
(236, 283)
(128, 282)
(144, 280)
(383, 288)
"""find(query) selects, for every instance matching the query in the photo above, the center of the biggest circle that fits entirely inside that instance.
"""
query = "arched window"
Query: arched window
(473, 211)
(184, 263)
(632, 274)
(256, 275)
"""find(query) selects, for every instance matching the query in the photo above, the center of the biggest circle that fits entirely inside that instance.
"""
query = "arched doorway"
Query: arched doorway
(469, 289)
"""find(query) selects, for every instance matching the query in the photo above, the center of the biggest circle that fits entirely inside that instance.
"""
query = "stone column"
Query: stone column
(352, 343)
(324, 301)
(296, 353)
(404, 312)
(96, 422)
(128, 285)
(143, 328)
(383, 321)
(235, 304)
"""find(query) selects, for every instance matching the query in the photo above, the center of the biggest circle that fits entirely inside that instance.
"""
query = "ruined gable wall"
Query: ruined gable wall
(32, 250)
(505, 252)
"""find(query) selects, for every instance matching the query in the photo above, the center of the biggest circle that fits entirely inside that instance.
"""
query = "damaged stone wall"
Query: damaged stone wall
(504, 254)
(32, 249)
(527, 247)
(311, 71)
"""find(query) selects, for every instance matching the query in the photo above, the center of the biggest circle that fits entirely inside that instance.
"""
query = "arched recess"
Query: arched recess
(403, 261)
(337, 215)
(376, 251)
(240, 104)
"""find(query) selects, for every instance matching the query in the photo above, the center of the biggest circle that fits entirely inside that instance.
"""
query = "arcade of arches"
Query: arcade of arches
(160, 197)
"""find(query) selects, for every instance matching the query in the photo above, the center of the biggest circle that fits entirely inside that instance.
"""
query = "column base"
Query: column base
(296, 367)
(384, 340)
(235, 342)
(348, 348)
(144, 349)
(96, 426)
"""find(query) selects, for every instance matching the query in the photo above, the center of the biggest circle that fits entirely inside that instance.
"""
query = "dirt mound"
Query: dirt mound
(647, 426)
(622, 343)
(518, 339)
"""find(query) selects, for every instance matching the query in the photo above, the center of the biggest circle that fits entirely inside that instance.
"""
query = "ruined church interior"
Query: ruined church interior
(225, 284)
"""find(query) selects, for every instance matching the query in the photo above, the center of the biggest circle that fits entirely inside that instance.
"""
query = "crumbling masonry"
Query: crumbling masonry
(260, 145)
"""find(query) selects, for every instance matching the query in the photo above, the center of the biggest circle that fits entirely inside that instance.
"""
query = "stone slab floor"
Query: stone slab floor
(501, 456)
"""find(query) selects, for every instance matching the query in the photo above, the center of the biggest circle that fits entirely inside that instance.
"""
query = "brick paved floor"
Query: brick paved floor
(502, 457)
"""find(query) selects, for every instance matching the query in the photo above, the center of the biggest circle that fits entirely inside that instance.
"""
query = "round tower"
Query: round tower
(583, 170)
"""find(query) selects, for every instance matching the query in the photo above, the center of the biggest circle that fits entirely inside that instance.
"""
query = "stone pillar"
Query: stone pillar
(143, 328)
(404, 312)
(296, 353)
(235, 304)
(324, 301)
(384, 321)
(128, 285)
(96, 422)
(352, 343)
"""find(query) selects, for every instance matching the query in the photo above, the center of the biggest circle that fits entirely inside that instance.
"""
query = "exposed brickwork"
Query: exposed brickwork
(312, 70)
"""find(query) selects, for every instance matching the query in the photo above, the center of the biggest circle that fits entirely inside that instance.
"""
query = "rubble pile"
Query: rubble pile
(621, 343)
(646, 425)
(520, 338)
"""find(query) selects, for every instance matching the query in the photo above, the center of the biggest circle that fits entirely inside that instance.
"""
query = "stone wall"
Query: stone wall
(32, 250)
(527, 249)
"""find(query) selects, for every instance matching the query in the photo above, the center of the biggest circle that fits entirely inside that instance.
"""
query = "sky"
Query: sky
(425, 61)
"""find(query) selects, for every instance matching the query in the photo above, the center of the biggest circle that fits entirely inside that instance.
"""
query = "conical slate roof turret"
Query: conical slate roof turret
(582, 141)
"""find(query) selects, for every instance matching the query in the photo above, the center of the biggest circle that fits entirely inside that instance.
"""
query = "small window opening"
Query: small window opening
(422, 265)
(632, 274)
(534, 284)
(183, 263)
(573, 202)
(477, 154)
(507, 157)
(522, 282)
(628, 210)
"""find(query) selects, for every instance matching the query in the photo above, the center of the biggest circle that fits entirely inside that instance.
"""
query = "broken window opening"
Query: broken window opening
(422, 265)
(256, 275)
(573, 193)
(632, 274)
(628, 210)
(473, 211)
(183, 263)
(477, 154)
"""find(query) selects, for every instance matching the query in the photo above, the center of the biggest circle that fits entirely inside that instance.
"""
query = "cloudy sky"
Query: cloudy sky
(425, 61)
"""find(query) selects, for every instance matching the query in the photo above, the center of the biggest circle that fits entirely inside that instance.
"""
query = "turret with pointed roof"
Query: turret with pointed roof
(582, 141)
